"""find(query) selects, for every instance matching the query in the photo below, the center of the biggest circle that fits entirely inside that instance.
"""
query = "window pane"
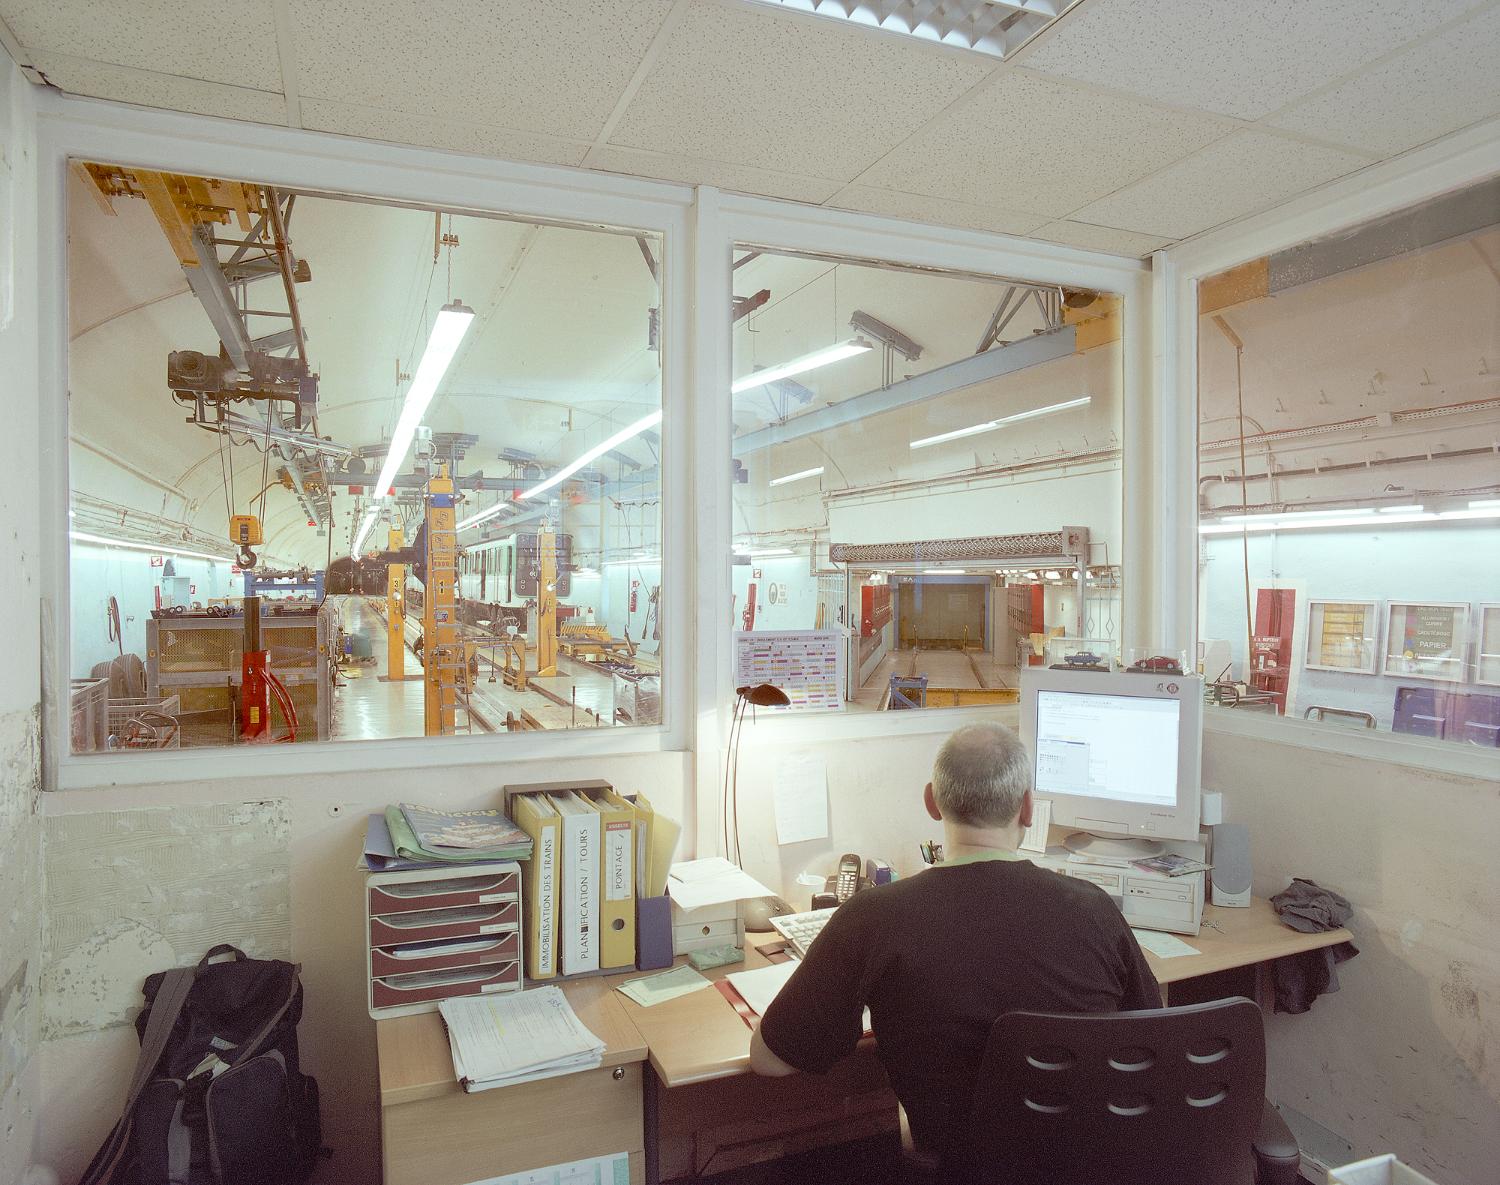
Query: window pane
(342, 470)
(1349, 491)
(927, 481)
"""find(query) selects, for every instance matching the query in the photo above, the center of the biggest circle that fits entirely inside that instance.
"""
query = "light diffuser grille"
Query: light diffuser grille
(994, 27)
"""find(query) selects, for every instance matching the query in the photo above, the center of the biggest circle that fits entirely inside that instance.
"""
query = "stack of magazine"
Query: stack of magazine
(520, 1037)
(421, 837)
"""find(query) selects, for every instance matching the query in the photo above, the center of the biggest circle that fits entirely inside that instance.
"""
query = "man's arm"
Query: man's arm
(763, 1061)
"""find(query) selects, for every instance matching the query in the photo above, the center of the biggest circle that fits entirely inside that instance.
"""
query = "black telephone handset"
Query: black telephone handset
(846, 883)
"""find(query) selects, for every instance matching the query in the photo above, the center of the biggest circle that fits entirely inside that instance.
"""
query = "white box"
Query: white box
(1378, 1170)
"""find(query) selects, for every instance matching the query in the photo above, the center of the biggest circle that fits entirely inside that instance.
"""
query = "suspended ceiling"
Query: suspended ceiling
(1123, 127)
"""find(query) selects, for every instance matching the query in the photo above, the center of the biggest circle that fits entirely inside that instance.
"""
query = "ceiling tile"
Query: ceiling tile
(696, 171)
(1033, 142)
(532, 65)
(1228, 56)
(919, 208)
(98, 80)
(1243, 173)
(1102, 238)
(230, 43)
(346, 119)
(1425, 92)
(790, 92)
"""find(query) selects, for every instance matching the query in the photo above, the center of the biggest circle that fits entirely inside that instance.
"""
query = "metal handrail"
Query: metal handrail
(1348, 713)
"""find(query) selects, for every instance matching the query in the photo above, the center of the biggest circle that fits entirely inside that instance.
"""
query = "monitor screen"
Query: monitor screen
(1123, 748)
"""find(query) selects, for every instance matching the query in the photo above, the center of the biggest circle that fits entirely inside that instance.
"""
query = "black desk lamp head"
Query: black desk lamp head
(764, 695)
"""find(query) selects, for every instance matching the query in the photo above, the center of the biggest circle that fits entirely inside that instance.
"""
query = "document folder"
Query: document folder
(617, 878)
(536, 816)
(578, 924)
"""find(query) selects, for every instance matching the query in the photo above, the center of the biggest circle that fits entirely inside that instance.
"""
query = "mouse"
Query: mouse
(758, 912)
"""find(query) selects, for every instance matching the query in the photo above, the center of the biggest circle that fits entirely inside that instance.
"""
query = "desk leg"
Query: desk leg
(651, 1113)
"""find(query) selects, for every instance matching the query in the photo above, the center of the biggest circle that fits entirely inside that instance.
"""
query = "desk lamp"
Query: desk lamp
(762, 695)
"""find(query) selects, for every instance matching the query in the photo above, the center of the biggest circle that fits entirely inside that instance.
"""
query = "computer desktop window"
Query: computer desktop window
(1117, 747)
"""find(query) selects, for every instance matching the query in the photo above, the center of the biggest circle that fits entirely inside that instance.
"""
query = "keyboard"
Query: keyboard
(800, 929)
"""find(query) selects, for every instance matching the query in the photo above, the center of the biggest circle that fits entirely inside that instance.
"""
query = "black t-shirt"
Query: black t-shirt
(937, 958)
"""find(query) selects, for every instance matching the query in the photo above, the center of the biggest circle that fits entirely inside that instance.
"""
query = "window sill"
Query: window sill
(1468, 761)
(781, 727)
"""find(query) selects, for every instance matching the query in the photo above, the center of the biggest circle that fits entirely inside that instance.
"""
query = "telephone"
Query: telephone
(846, 880)
(854, 873)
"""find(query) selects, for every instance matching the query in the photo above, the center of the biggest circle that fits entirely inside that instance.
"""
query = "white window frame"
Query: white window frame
(71, 128)
(1453, 163)
(724, 221)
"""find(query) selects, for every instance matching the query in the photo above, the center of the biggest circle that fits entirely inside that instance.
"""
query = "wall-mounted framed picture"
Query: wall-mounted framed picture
(1343, 636)
(1487, 666)
(1425, 640)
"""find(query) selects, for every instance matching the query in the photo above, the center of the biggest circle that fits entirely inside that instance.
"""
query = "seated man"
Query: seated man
(939, 956)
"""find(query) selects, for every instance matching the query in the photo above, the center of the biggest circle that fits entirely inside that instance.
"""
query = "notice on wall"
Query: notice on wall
(806, 664)
(801, 798)
(1341, 636)
(1426, 640)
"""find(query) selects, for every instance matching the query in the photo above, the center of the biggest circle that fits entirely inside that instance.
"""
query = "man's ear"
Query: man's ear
(1028, 806)
(930, 803)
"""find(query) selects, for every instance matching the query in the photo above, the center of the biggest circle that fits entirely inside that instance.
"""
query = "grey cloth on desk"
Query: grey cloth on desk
(1300, 979)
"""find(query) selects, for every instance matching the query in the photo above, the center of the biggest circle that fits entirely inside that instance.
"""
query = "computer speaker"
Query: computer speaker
(1231, 861)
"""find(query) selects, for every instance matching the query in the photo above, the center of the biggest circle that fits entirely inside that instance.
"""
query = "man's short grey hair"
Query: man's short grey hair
(981, 774)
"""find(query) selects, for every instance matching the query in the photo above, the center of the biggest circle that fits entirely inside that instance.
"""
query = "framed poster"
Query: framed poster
(1342, 636)
(1425, 640)
(1487, 667)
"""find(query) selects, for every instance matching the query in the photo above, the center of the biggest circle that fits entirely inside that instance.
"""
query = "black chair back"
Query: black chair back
(1125, 1098)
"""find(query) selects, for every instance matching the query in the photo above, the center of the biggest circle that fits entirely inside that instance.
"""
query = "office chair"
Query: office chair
(1126, 1098)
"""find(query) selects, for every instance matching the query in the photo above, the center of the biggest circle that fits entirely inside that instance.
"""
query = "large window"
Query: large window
(1349, 491)
(342, 470)
(927, 480)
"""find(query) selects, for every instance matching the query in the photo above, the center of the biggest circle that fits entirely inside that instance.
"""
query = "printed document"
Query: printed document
(668, 985)
(597, 1170)
(1163, 946)
(711, 881)
(519, 1037)
(801, 798)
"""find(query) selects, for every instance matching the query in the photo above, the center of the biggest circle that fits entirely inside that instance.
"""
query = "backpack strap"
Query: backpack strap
(165, 1009)
(251, 1045)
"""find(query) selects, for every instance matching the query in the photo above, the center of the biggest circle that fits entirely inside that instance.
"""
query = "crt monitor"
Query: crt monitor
(1117, 754)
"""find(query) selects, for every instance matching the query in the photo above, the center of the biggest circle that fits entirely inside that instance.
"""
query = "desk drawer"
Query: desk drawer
(412, 957)
(487, 888)
(428, 925)
(426, 987)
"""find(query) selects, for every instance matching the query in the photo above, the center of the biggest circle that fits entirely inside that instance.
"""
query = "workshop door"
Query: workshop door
(943, 616)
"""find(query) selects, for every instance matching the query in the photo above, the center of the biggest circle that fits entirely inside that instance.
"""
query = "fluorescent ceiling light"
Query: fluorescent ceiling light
(781, 481)
(835, 353)
(1485, 504)
(755, 552)
(626, 433)
(363, 533)
(1309, 522)
(1403, 509)
(937, 571)
(639, 559)
(991, 425)
(157, 549)
(453, 321)
(1305, 515)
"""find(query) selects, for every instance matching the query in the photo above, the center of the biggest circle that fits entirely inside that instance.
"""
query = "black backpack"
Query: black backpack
(217, 1097)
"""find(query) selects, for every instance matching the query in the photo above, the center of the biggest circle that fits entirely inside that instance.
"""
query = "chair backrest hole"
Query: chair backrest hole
(1208, 1051)
(1132, 1057)
(1130, 1105)
(1207, 1096)
(1049, 1102)
(1051, 1057)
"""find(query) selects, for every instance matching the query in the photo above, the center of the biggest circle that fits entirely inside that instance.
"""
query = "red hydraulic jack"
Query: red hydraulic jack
(258, 684)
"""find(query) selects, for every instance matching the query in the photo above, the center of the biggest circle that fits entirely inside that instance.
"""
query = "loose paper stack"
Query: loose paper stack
(668, 985)
(520, 1037)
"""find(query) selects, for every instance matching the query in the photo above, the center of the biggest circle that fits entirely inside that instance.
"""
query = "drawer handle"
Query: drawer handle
(619, 1074)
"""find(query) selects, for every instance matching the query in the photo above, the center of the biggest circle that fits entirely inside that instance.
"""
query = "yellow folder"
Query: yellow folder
(537, 817)
(617, 855)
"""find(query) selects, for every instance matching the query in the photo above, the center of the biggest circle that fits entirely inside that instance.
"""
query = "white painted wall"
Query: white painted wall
(20, 641)
(1454, 561)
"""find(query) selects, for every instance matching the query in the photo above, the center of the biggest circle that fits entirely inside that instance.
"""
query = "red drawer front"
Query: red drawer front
(485, 889)
(428, 987)
(469, 921)
(413, 958)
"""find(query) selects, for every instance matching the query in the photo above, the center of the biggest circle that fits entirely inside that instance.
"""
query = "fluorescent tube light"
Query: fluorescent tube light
(991, 425)
(936, 571)
(639, 559)
(1402, 509)
(371, 516)
(1309, 522)
(781, 481)
(626, 433)
(824, 357)
(756, 552)
(1485, 504)
(1305, 515)
(453, 321)
(154, 548)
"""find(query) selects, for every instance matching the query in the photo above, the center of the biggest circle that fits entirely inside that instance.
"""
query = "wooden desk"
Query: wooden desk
(693, 1108)
(434, 1133)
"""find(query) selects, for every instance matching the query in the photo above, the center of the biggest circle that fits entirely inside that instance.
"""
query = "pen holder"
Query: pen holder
(653, 933)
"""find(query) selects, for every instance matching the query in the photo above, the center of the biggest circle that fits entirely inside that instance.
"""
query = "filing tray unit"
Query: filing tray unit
(435, 934)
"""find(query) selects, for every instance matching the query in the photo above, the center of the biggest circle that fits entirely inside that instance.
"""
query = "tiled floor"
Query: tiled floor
(943, 668)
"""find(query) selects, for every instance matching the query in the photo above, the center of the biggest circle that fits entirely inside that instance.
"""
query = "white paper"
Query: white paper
(597, 1170)
(1163, 946)
(759, 987)
(711, 881)
(500, 1040)
(1035, 839)
(655, 989)
(801, 798)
